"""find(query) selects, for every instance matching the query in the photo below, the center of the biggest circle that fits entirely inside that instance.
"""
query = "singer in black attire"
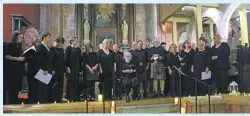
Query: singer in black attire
(107, 68)
(90, 61)
(14, 67)
(174, 80)
(59, 68)
(31, 59)
(201, 64)
(73, 62)
(186, 65)
(220, 64)
(44, 62)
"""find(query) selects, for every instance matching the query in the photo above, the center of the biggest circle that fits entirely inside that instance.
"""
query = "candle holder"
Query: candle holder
(100, 98)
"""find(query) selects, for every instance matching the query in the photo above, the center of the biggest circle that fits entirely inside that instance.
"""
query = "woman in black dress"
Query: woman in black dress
(129, 79)
(15, 69)
(220, 64)
(74, 67)
(31, 59)
(90, 61)
(186, 64)
(59, 68)
(201, 64)
(173, 61)
(107, 69)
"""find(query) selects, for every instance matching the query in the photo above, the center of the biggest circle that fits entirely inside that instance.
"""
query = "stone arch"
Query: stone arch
(221, 17)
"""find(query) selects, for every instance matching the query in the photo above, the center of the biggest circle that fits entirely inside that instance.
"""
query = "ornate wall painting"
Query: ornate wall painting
(105, 15)
(105, 35)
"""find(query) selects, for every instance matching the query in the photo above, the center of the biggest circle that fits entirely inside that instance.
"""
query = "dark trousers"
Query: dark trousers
(43, 93)
(91, 88)
(100, 86)
(144, 87)
(32, 85)
(220, 78)
(73, 90)
(12, 96)
(173, 83)
(108, 83)
(187, 86)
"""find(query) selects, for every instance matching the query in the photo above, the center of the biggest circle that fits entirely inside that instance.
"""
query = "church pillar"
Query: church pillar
(211, 32)
(152, 20)
(243, 25)
(140, 22)
(175, 39)
(198, 20)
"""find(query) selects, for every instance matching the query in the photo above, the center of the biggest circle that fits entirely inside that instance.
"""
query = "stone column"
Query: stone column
(140, 22)
(152, 20)
(243, 25)
(174, 32)
(211, 32)
(198, 20)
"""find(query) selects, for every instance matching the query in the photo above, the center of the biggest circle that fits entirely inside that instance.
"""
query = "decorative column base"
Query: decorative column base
(87, 41)
(124, 42)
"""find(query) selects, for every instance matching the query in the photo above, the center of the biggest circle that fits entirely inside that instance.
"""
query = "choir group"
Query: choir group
(152, 70)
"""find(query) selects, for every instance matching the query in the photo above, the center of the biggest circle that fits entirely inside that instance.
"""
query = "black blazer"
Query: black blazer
(44, 59)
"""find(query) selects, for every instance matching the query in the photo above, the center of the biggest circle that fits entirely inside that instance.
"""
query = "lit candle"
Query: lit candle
(85, 101)
(183, 110)
(189, 96)
(68, 101)
(220, 94)
(100, 98)
(22, 104)
(207, 95)
(54, 102)
(176, 101)
(113, 104)
(38, 103)
(244, 93)
(249, 94)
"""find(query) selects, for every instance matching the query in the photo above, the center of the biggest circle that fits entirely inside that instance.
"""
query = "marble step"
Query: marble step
(154, 108)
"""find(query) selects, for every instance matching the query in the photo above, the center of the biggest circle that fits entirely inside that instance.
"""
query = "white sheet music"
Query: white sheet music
(43, 78)
(31, 48)
(205, 75)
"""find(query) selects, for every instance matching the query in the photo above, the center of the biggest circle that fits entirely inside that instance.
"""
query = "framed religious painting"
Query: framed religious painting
(101, 34)
(105, 15)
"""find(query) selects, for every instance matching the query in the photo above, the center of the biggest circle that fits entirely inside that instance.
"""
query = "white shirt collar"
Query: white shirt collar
(45, 46)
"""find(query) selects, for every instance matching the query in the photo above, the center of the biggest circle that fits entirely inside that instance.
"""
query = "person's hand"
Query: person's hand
(94, 68)
(45, 72)
(53, 72)
(101, 71)
(170, 71)
(155, 61)
(192, 69)
(206, 70)
(20, 59)
(91, 70)
(214, 57)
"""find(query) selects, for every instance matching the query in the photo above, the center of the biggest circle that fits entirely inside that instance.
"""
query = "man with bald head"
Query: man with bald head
(118, 58)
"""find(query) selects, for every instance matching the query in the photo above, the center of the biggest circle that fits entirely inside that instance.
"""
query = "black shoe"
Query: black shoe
(145, 95)
(127, 99)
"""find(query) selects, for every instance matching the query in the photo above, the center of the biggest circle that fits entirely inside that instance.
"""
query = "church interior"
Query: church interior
(171, 23)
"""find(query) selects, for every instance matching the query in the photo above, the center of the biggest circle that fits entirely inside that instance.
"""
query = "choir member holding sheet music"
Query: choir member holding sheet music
(173, 61)
(186, 64)
(157, 61)
(74, 67)
(220, 62)
(44, 64)
(59, 68)
(31, 59)
(201, 64)
(14, 66)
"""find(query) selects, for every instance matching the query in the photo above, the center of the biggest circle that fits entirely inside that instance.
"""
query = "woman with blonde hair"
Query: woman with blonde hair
(173, 61)
(107, 67)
